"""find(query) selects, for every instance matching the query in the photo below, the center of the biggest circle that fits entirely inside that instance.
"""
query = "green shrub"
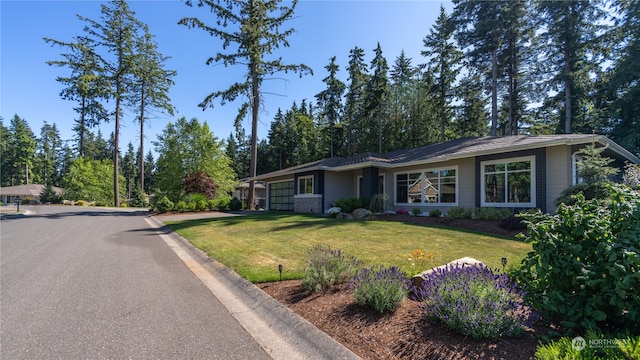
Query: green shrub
(182, 206)
(435, 213)
(598, 191)
(416, 211)
(326, 267)
(492, 213)
(365, 202)
(81, 203)
(592, 346)
(123, 205)
(235, 204)
(48, 195)
(583, 272)
(381, 288)
(139, 199)
(163, 204)
(459, 212)
(474, 301)
(348, 204)
(379, 203)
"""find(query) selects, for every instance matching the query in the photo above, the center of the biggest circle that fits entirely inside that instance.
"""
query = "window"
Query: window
(435, 186)
(508, 182)
(305, 185)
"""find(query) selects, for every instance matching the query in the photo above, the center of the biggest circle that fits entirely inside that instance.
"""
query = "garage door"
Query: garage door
(281, 195)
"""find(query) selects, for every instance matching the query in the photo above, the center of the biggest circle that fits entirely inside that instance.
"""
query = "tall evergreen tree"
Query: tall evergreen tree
(480, 32)
(472, 118)
(21, 151)
(444, 60)
(256, 33)
(403, 94)
(354, 113)
(6, 161)
(117, 33)
(84, 85)
(48, 155)
(129, 169)
(570, 46)
(376, 102)
(152, 82)
(330, 103)
(625, 78)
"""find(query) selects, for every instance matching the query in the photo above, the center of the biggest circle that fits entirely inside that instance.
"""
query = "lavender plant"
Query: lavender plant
(327, 267)
(474, 301)
(382, 288)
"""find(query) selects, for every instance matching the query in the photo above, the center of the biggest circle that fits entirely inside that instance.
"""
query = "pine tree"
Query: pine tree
(403, 95)
(151, 86)
(330, 104)
(570, 46)
(49, 151)
(257, 33)
(117, 34)
(479, 30)
(85, 84)
(21, 150)
(354, 114)
(376, 101)
(444, 60)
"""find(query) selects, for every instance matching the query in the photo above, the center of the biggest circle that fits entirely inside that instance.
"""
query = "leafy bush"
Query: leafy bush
(348, 204)
(235, 204)
(219, 204)
(474, 301)
(123, 205)
(598, 191)
(459, 212)
(182, 206)
(595, 347)
(584, 270)
(163, 204)
(81, 203)
(381, 288)
(326, 267)
(365, 202)
(631, 176)
(416, 211)
(197, 201)
(402, 212)
(492, 213)
(419, 259)
(379, 203)
(435, 213)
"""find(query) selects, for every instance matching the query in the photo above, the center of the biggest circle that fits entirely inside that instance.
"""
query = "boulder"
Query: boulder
(362, 214)
(344, 216)
(417, 280)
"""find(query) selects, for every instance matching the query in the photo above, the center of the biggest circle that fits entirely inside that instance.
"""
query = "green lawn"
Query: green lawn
(254, 245)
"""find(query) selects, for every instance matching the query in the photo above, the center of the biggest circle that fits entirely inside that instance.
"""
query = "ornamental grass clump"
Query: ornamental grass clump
(327, 267)
(474, 301)
(382, 288)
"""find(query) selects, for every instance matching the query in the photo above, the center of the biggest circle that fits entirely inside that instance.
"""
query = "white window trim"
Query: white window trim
(313, 185)
(532, 188)
(423, 203)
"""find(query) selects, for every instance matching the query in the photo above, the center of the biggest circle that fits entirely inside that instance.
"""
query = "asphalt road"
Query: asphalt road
(78, 283)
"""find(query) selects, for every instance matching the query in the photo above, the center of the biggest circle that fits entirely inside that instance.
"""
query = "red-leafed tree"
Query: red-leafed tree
(200, 183)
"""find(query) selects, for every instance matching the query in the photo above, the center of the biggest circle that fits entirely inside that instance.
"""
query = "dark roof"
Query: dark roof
(450, 150)
(27, 190)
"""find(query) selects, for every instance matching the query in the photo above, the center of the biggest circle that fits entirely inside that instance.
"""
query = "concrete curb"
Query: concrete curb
(277, 329)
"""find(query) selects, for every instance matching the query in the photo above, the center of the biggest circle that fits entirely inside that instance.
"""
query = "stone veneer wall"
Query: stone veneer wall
(307, 204)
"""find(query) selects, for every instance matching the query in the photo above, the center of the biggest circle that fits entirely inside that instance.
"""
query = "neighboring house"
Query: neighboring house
(241, 192)
(26, 193)
(513, 171)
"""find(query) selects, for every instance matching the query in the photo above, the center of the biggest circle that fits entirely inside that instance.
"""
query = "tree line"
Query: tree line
(487, 68)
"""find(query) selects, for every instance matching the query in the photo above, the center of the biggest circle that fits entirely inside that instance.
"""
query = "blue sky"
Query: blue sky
(323, 29)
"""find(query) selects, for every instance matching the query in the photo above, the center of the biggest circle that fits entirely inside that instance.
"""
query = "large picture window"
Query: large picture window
(305, 185)
(508, 182)
(434, 186)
